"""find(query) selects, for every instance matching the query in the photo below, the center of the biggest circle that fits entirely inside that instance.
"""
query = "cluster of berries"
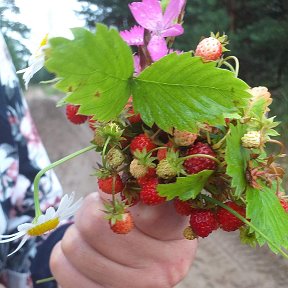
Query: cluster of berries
(136, 159)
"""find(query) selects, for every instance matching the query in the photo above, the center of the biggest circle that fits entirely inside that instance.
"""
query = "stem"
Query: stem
(236, 63)
(156, 149)
(104, 151)
(203, 156)
(38, 211)
(214, 201)
(45, 280)
(221, 141)
(229, 66)
(282, 151)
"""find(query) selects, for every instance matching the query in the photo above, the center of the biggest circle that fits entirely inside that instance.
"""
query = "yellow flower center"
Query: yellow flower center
(44, 227)
(44, 41)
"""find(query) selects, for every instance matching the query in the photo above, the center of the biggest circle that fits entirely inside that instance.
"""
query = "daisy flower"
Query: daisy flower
(44, 223)
(35, 62)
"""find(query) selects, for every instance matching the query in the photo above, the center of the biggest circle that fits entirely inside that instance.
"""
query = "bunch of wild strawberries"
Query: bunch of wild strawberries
(137, 158)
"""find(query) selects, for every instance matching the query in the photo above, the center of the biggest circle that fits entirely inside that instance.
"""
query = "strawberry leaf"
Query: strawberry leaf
(95, 69)
(236, 158)
(185, 187)
(267, 214)
(180, 91)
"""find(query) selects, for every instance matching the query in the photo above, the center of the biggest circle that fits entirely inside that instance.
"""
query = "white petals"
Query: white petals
(23, 241)
(41, 225)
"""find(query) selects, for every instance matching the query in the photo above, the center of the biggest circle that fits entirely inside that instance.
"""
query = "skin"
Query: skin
(154, 254)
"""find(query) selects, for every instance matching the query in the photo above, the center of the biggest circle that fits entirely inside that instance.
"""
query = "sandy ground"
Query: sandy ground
(221, 260)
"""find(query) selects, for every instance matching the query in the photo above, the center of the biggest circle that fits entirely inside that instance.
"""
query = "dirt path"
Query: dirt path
(222, 262)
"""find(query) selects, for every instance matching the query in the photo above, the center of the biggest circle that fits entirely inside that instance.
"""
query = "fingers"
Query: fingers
(95, 231)
(66, 275)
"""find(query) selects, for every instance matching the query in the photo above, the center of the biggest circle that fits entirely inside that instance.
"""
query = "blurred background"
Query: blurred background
(258, 37)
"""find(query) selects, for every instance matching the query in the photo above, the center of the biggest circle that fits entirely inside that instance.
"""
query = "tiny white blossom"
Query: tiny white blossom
(35, 62)
(44, 223)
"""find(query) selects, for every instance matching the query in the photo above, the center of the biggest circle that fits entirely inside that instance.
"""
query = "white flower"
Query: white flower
(44, 223)
(36, 61)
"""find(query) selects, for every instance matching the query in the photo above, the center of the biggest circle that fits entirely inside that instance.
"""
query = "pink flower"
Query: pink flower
(149, 15)
(134, 36)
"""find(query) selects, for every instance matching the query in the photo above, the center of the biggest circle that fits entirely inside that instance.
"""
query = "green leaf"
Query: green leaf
(236, 158)
(180, 90)
(96, 67)
(185, 187)
(267, 214)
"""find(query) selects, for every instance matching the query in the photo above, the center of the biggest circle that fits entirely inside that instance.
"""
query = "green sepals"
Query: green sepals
(96, 70)
(102, 173)
(170, 167)
(236, 158)
(192, 91)
(247, 236)
(267, 214)
(114, 210)
(185, 188)
(112, 131)
(145, 158)
(222, 39)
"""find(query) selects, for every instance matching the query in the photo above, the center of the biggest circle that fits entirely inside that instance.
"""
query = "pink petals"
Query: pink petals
(134, 36)
(149, 15)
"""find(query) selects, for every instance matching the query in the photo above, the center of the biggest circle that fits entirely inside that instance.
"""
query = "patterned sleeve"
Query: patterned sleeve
(22, 155)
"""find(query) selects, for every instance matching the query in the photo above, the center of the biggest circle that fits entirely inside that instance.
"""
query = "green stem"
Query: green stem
(45, 280)
(104, 151)
(237, 65)
(229, 66)
(203, 156)
(38, 211)
(214, 201)
(221, 141)
(156, 149)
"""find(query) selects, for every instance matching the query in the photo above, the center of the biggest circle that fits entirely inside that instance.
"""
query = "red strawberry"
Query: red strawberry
(135, 118)
(123, 225)
(151, 173)
(210, 49)
(197, 164)
(141, 142)
(71, 113)
(149, 194)
(203, 222)
(227, 221)
(182, 207)
(284, 204)
(105, 184)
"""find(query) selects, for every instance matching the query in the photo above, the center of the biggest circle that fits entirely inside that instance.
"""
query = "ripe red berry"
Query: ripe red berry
(141, 142)
(124, 225)
(106, 184)
(182, 207)
(227, 221)
(72, 116)
(203, 222)
(135, 118)
(149, 194)
(197, 164)
(151, 173)
(210, 49)
(284, 204)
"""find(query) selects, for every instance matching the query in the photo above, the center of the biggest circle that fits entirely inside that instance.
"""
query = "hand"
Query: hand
(153, 255)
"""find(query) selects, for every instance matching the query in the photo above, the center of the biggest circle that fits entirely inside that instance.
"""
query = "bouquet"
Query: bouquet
(170, 126)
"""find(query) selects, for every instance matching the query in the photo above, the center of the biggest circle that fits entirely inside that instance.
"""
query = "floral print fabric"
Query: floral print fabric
(22, 156)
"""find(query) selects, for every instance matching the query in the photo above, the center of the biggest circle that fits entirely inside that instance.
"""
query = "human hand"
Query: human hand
(154, 254)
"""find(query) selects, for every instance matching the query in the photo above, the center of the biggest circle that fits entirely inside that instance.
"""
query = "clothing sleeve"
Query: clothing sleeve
(22, 156)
